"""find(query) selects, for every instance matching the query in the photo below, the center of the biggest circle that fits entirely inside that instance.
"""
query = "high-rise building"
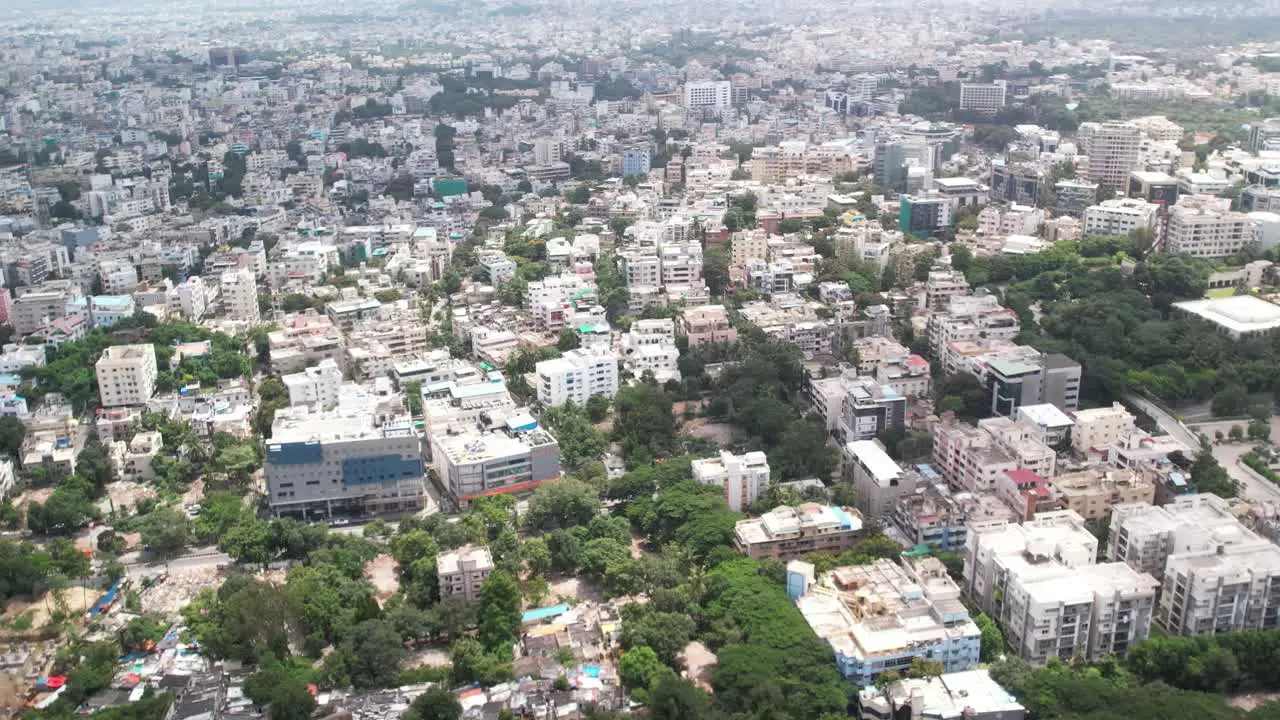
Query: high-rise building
(1265, 135)
(743, 477)
(126, 375)
(714, 95)
(1113, 151)
(1206, 227)
(878, 482)
(240, 296)
(984, 98)
(577, 376)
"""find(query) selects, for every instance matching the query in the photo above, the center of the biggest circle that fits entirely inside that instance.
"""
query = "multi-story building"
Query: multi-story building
(318, 385)
(985, 98)
(15, 357)
(925, 214)
(1265, 135)
(1040, 581)
(1217, 575)
(1072, 197)
(706, 324)
(742, 477)
(1120, 217)
(36, 306)
(970, 694)
(499, 453)
(190, 299)
(1016, 184)
(240, 296)
(1092, 493)
(1114, 150)
(789, 532)
(712, 95)
(577, 376)
(881, 616)
(974, 459)
(867, 407)
(132, 460)
(938, 517)
(304, 340)
(360, 456)
(101, 311)
(461, 572)
(1097, 428)
(971, 318)
(636, 161)
(943, 285)
(126, 375)
(878, 482)
(1155, 187)
(1023, 376)
(1206, 227)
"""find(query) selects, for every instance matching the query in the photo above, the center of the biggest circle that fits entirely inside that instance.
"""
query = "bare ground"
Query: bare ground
(77, 598)
(574, 589)
(382, 572)
(720, 433)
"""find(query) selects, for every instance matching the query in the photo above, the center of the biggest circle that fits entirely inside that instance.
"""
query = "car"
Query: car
(339, 522)
(193, 510)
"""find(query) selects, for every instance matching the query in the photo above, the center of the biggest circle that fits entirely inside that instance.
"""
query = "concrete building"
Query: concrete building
(126, 375)
(1091, 493)
(880, 617)
(1120, 217)
(132, 460)
(970, 694)
(461, 572)
(1206, 227)
(500, 453)
(35, 307)
(711, 95)
(577, 376)
(318, 385)
(359, 457)
(943, 285)
(1264, 136)
(1040, 582)
(1236, 317)
(867, 407)
(789, 532)
(1097, 428)
(706, 324)
(1217, 575)
(938, 517)
(190, 299)
(878, 482)
(1114, 150)
(1027, 377)
(984, 98)
(742, 477)
(240, 296)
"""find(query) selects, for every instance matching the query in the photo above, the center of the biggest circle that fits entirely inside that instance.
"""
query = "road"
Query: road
(1254, 487)
(194, 559)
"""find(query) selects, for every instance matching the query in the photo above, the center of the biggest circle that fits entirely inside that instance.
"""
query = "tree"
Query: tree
(562, 503)
(715, 270)
(675, 699)
(375, 652)
(12, 433)
(640, 668)
(166, 531)
(436, 703)
(645, 426)
(250, 542)
(499, 611)
(992, 647)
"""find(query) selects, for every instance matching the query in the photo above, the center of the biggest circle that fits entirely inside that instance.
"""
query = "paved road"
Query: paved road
(196, 558)
(1256, 488)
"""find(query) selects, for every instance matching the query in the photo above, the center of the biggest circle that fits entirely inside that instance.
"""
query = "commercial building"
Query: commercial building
(1217, 575)
(499, 453)
(317, 385)
(461, 572)
(878, 482)
(881, 616)
(1091, 493)
(984, 98)
(240, 296)
(713, 95)
(1265, 135)
(1071, 197)
(1027, 377)
(1155, 187)
(360, 456)
(1120, 217)
(742, 477)
(924, 215)
(789, 532)
(1206, 227)
(706, 324)
(1236, 317)
(636, 162)
(1097, 428)
(970, 694)
(126, 375)
(577, 376)
(868, 407)
(1040, 582)
(1114, 150)
(1016, 184)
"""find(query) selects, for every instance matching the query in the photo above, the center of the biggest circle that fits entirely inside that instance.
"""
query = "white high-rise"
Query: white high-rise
(240, 296)
(317, 385)
(126, 375)
(743, 477)
(1113, 150)
(578, 376)
(716, 95)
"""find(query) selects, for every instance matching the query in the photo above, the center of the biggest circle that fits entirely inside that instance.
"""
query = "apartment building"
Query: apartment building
(500, 453)
(976, 458)
(35, 307)
(461, 572)
(878, 482)
(1217, 575)
(706, 324)
(1040, 581)
(969, 318)
(1206, 227)
(1046, 424)
(304, 340)
(938, 517)
(941, 286)
(240, 296)
(984, 98)
(577, 376)
(1021, 376)
(790, 532)
(360, 456)
(1098, 428)
(1019, 440)
(1120, 216)
(1114, 150)
(318, 385)
(709, 94)
(126, 375)
(190, 299)
(742, 477)
(1092, 492)
(881, 616)
(866, 407)
(970, 694)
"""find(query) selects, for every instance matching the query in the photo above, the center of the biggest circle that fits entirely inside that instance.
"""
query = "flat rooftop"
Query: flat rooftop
(1239, 315)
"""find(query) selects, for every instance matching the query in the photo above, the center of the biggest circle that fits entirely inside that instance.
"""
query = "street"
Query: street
(193, 559)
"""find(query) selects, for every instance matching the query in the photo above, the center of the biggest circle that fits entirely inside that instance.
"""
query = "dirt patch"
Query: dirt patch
(36, 495)
(699, 663)
(124, 494)
(574, 589)
(179, 588)
(75, 600)
(194, 494)
(719, 433)
(1251, 701)
(430, 657)
(383, 573)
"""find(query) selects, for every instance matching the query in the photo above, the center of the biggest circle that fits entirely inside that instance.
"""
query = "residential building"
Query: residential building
(1046, 423)
(318, 385)
(346, 314)
(943, 285)
(498, 453)
(101, 311)
(789, 532)
(983, 98)
(924, 215)
(970, 694)
(577, 376)
(461, 572)
(126, 375)
(711, 95)
(1264, 136)
(1120, 217)
(1097, 428)
(1024, 376)
(881, 616)
(240, 296)
(132, 460)
(636, 161)
(1091, 493)
(938, 517)
(1114, 151)
(1041, 583)
(650, 347)
(878, 482)
(867, 407)
(974, 459)
(1025, 493)
(706, 324)
(1206, 227)
(742, 477)
(359, 456)
(190, 299)
(36, 306)
(15, 357)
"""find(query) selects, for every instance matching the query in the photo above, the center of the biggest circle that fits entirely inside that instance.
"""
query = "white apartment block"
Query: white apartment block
(970, 318)
(577, 376)
(1013, 220)
(1205, 227)
(1217, 575)
(975, 459)
(1099, 428)
(1120, 217)
(15, 357)
(463, 571)
(118, 275)
(941, 286)
(716, 95)
(1041, 583)
(240, 296)
(742, 477)
(317, 385)
(189, 299)
(650, 346)
(988, 98)
(126, 375)
(1113, 149)
(878, 482)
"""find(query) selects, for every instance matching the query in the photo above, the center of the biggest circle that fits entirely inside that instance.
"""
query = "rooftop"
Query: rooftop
(1239, 314)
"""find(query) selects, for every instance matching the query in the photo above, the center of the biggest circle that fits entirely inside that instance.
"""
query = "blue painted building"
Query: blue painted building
(636, 162)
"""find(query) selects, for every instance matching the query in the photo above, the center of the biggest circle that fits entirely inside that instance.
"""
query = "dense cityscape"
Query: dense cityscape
(561, 360)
